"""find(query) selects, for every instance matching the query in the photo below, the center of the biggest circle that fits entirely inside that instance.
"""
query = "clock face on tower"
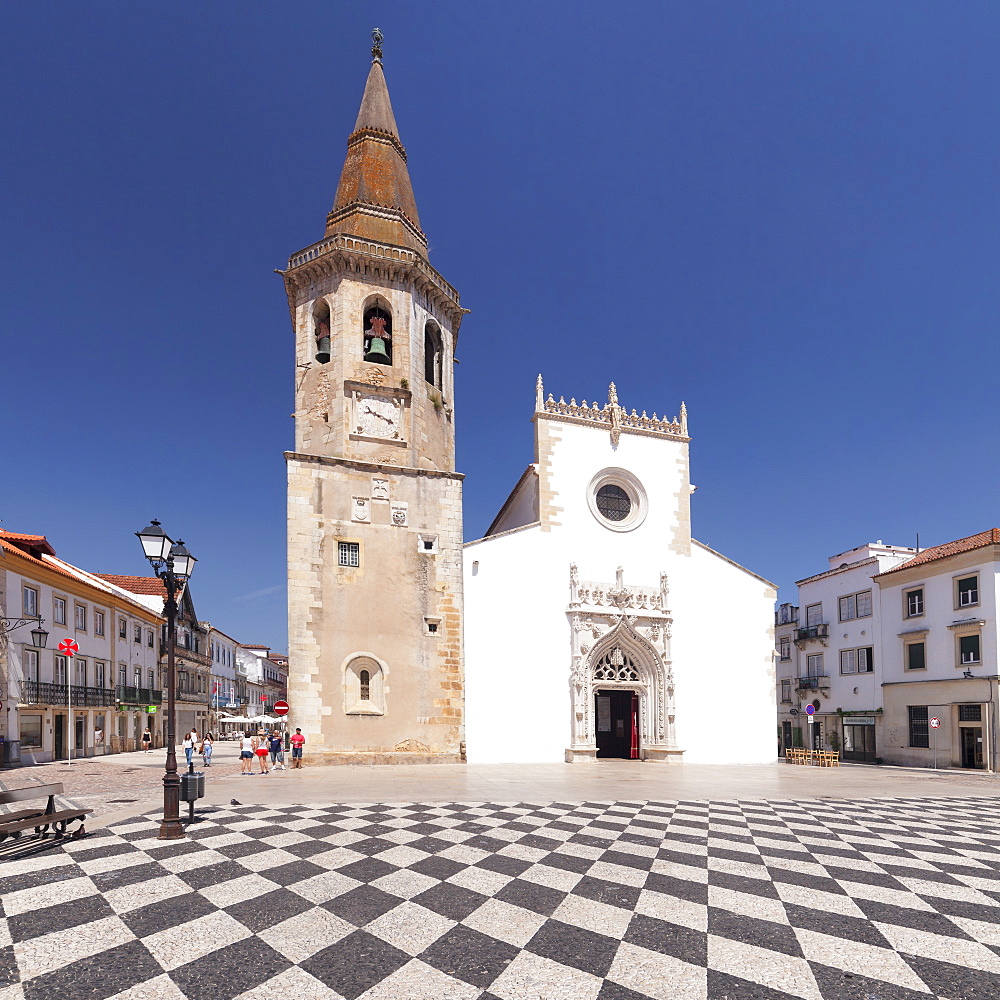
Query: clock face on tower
(377, 416)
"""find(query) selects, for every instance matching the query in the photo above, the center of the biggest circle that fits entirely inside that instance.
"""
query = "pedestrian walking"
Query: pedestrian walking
(207, 744)
(277, 747)
(246, 755)
(147, 740)
(260, 749)
(189, 741)
(298, 741)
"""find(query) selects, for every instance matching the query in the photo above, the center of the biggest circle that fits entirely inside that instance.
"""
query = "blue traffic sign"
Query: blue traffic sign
(810, 710)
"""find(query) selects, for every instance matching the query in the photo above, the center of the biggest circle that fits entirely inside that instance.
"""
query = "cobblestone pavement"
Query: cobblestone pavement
(853, 899)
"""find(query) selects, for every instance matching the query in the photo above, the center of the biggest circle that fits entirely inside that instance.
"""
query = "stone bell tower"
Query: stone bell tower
(374, 502)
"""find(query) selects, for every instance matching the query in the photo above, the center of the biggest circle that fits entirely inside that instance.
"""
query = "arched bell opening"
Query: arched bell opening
(321, 330)
(378, 334)
(433, 355)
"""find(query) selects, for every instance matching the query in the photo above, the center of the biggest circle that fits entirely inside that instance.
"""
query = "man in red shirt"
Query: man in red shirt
(297, 741)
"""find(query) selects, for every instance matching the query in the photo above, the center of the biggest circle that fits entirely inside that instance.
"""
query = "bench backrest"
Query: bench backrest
(31, 792)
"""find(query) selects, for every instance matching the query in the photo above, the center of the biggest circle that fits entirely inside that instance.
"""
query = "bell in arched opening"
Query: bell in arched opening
(378, 337)
(321, 331)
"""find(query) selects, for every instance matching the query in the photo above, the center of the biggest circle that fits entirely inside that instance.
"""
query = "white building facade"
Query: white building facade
(592, 615)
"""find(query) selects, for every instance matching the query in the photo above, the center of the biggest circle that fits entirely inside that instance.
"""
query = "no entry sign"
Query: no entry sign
(281, 708)
(69, 647)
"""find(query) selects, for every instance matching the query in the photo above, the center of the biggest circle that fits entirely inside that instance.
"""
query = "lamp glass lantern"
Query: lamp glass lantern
(155, 541)
(183, 561)
(39, 636)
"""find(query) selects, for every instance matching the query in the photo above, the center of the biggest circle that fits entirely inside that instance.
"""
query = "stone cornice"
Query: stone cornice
(376, 211)
(346, 254)
(377, 135)
(352, 463)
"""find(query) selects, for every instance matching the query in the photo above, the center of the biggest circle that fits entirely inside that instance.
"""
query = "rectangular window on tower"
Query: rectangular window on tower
(349, 554)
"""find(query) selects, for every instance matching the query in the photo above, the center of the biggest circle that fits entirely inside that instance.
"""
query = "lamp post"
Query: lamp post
(173, 564)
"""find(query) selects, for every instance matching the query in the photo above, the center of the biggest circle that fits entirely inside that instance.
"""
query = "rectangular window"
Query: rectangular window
(968, 591)
(916, 656)
(349, 553)
(31, 730)
(29, 602)
(814, 664)
(856, 606)
(786, 690)
(152, 680)
(137, 634)
(149, 638)
(122, 628)
(914, 602)
(137, 677)
(970, 713)
(865, 662)
(122, 674)
(814, 615)
(31, 665)
(848, 661)
(61, 662)
(919, 732)
(968, 648)
(80, 673)
(58, 611)
(785, 647)
(99, 673)
(98, 623)
(80, 612)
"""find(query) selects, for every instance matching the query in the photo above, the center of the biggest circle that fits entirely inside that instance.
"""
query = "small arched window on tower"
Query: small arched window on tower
(378, 336)
(433, 354)
(364, 685)
(321, 330)
(365, 679)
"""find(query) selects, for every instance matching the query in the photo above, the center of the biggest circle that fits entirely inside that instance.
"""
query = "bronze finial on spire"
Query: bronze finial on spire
(377, 44)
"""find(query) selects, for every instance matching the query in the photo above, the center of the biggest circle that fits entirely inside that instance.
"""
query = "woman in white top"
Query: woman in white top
(246, 755)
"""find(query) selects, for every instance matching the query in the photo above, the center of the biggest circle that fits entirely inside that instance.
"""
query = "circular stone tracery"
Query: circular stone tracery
(613, 502)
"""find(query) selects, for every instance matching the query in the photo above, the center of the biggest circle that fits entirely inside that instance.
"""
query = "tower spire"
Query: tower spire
(375, 197)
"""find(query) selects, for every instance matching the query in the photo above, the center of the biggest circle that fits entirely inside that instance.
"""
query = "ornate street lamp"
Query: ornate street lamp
(39, 636)
(173, 565)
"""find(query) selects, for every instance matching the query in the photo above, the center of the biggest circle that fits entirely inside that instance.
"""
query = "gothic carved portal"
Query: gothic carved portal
(621, 642)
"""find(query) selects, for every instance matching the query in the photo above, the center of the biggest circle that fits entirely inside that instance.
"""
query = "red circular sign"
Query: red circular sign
(935, 722)
(69, 647)
(281, 708)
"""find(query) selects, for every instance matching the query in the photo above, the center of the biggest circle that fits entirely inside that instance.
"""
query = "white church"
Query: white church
(587, 624)
(595, 625)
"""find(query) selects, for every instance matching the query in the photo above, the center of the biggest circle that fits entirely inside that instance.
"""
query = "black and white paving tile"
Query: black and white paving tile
(876, 899)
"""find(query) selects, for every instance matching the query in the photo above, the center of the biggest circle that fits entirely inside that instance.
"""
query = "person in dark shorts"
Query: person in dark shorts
(297, 741)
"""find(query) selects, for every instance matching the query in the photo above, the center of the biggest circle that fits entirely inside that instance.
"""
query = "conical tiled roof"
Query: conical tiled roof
(375, 197)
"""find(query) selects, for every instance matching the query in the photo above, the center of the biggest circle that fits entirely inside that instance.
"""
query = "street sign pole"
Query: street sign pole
(69, 648)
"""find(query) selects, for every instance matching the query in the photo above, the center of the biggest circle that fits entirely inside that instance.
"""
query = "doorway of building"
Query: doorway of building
(60, 737)
(786, 737)
(972, 746)
(859, 742)
(617, 715)
(80, 723)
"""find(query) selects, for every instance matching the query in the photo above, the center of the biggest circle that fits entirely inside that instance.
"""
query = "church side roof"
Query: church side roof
(525, 490)
(733, 562)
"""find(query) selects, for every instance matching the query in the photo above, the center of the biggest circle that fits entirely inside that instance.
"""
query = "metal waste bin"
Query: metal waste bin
(192, 788)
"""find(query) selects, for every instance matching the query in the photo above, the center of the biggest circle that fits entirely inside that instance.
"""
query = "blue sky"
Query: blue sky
(784, 213)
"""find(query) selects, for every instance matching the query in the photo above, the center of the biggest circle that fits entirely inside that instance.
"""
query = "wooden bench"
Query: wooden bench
(42, 821)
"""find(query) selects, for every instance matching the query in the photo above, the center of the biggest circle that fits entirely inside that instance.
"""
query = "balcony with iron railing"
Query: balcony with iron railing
(139, 695)
(813, 683)
(812, 632)
(44, 693)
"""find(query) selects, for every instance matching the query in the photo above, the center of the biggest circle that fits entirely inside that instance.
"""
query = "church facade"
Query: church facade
(586, 624)
(596, 626)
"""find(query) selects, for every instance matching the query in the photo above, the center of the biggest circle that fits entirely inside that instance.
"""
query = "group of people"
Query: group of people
(262, 745)
(193, 746)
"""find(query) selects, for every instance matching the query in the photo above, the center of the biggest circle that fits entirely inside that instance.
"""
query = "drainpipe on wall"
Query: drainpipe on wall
(993, 729)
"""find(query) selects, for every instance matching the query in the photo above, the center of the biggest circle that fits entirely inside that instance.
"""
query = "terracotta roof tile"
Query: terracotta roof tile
(136, 584)
(936, 552)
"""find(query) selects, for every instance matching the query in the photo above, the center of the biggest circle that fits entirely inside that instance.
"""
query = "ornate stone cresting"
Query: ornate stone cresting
(611, 416)
(620, 638)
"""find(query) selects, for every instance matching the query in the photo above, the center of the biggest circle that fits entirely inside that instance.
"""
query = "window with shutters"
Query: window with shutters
(786, 690)
(814, 615)
(856, 606)
(785, 648)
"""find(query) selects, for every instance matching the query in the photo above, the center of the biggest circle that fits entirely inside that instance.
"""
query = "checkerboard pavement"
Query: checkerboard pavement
(877, 899)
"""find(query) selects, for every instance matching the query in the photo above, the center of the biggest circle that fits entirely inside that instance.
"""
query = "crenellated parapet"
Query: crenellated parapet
(611, 415)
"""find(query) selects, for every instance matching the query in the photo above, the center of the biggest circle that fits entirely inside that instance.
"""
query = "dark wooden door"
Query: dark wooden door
(972, 746)
(60, 737)
(616, 713)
